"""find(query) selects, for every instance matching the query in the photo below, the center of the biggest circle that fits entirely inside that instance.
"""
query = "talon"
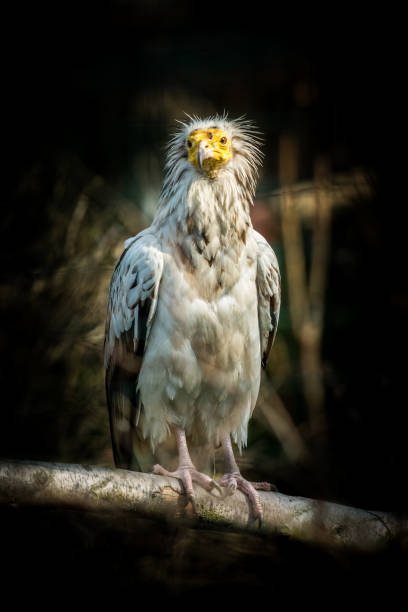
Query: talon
(234, 481)
(187, 474)
(191, 500)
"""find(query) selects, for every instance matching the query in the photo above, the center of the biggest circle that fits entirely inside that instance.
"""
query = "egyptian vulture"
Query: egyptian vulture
(192, 313)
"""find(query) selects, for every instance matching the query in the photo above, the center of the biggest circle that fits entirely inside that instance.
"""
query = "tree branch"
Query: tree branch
(92, 488)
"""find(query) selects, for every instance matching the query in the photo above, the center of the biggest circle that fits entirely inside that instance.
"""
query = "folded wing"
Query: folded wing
(269, 295)
(132, 305)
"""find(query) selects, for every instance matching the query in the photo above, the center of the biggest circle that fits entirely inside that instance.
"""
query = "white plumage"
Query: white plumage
(194, 301)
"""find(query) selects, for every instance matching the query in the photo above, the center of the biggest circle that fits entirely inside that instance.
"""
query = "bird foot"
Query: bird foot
(188, 474)
(233, 481)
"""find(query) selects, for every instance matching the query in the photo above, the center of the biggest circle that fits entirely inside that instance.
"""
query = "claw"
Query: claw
(259, 519)
(191, 500)
(188, 475)
(186, 471)
(234, 481)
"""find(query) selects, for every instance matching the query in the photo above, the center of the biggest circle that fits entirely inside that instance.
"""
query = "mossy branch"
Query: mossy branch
(92, 488)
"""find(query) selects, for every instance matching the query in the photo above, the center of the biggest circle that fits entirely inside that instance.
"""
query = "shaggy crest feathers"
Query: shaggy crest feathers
(241, 171)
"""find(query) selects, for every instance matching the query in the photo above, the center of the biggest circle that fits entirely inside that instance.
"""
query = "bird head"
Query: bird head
(208, 149)
(219, 150)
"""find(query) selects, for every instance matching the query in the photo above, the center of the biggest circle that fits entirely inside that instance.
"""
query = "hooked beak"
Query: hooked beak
(204, 152)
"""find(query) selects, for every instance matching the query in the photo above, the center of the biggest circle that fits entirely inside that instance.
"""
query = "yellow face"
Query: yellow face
(208, 150)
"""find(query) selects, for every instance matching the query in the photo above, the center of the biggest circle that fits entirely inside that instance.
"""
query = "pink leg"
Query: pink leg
(186, 470)
(233, 480)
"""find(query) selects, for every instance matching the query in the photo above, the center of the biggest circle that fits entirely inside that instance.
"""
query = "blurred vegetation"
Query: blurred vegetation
(88, 114)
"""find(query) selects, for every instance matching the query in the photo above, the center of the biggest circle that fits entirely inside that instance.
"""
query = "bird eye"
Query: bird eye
(189, 144)
(210, 135)
(223, 140)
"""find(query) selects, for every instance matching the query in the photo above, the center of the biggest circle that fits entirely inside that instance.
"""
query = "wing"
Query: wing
(133, 297)
(269, 293)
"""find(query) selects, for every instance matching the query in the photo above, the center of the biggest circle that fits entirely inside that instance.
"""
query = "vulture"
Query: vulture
(192, 314)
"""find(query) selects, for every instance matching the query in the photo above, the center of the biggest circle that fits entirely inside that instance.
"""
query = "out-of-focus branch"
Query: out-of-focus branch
(281, 423)
(307, 292)
(292, 233)
(312, 330)
(91, 488)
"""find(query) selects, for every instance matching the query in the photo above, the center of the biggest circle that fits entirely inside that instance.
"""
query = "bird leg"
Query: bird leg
(186, 470)
(233, 480)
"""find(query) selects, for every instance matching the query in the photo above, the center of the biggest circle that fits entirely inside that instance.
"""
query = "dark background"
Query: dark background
(90, 95)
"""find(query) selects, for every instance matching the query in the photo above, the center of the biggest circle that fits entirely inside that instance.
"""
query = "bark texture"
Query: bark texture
(92, 488)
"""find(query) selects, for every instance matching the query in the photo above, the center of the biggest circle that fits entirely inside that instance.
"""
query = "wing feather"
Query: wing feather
(269, 295)
(133, 297)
